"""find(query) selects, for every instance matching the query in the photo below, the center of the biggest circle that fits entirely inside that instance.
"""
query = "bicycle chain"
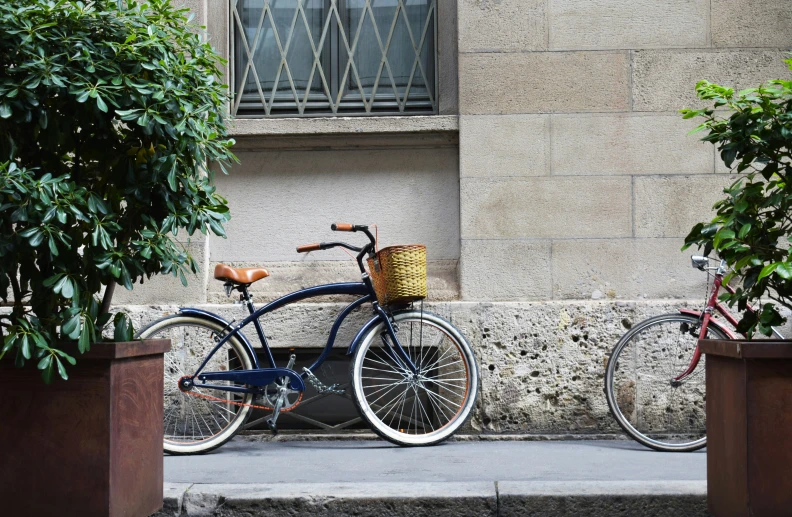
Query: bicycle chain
(240, 404)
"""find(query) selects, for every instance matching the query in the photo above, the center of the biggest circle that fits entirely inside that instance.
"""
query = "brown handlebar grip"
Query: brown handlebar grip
(342, 227)
(309, 247)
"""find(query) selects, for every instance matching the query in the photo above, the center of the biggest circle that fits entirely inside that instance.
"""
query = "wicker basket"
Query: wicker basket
(399, 274)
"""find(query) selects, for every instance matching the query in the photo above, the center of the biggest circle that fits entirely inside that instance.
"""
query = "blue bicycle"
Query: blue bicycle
(413, 377)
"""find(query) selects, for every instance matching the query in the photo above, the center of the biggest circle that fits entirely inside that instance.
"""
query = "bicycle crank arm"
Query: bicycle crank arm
(259, 377)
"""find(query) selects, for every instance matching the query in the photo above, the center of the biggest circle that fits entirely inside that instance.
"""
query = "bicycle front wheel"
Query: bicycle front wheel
(199, 420)
(651, 407)
(421, 408)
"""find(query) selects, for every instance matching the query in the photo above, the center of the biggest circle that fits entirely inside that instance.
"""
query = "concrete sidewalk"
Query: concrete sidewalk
(459, 478)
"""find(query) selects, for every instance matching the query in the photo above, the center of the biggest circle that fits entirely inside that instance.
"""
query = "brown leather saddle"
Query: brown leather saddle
(239, 275)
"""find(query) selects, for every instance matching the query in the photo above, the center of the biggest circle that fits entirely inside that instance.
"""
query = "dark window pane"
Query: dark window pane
(392, 69)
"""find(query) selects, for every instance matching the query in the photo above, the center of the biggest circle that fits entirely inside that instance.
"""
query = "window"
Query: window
(334, 57)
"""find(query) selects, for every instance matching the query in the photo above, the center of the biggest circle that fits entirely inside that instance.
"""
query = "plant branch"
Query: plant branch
(107, 298)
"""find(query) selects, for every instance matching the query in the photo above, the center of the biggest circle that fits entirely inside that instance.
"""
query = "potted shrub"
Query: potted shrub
(749, 382)
(109, 113)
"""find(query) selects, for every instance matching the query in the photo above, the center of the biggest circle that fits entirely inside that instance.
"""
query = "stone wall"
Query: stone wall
(554, 204)
(578, 178)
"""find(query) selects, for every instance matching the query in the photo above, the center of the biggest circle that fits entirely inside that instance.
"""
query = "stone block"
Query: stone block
(505, 270)
(502, 25)
(762, 23)
(628, 24)
(670, 206)
(624, 269)
(504, 145)
(540, 82)
(556, 207)
(167, 288)
(627, 144)
(282, 199)
(665, 80)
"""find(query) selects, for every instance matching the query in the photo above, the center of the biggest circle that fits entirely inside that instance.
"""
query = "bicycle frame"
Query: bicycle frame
(706, 319)
(259, 376)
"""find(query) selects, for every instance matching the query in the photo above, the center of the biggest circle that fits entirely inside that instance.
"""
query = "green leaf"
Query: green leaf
(71, 327)
(9, 342)
(744, 230)
(784, 270)
(216, 227)
(53, 248)
(45, 362)
(84, 343)
(123, 328)
(36, 239)
(101, 104)
(61, 370)
(49, 282)
(5, 110)
(24, 346)
(767, 270)
(48, 373)
(40, 341)
(67, 290)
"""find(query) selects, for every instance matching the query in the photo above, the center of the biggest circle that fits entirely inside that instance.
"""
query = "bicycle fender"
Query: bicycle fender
(200, 313)
(727, 331)
(370, 324)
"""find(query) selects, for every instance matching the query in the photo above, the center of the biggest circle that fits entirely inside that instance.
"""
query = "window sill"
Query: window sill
(343, 125)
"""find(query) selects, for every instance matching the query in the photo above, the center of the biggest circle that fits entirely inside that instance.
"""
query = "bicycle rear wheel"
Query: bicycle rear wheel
(651, 407)
(424, 408)
(195, 421)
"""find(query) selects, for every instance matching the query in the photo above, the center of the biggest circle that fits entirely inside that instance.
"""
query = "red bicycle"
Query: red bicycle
(654, 380)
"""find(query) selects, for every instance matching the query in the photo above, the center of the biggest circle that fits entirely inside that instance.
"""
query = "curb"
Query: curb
(485, 499)
(310, 436)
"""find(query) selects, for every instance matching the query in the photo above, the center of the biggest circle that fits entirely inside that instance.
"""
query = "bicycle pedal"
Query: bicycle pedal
(272, 427)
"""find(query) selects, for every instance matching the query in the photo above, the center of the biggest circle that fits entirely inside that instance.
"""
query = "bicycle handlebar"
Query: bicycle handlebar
(342, 227)
(346, 227)
(305, 248)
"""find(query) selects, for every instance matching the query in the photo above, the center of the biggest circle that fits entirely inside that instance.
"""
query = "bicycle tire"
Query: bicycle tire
(224, 420)
(440, 351)
(659, 334)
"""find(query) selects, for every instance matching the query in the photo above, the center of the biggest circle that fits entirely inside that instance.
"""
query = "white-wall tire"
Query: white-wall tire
(444, 390)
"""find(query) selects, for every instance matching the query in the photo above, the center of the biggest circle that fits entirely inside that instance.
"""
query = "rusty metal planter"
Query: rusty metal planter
(749, 427)
(91, 445)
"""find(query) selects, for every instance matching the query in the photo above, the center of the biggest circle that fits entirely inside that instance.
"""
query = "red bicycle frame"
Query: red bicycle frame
(712, 304)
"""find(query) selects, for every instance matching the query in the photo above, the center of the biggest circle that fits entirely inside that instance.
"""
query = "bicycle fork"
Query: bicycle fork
(705, 319)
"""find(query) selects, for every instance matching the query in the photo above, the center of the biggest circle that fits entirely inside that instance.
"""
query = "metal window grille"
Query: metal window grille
(334, 57)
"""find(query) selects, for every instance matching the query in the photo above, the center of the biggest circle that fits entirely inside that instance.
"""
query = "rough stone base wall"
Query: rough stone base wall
(541, 363)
